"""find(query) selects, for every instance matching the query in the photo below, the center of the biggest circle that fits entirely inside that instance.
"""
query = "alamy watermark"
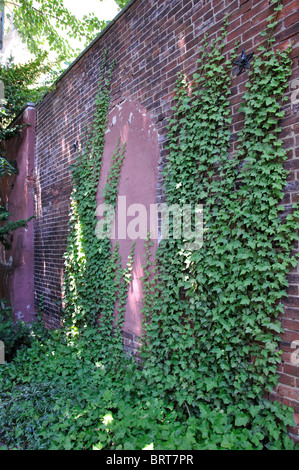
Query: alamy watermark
(295, 91)
(295, 354)
(136, 221)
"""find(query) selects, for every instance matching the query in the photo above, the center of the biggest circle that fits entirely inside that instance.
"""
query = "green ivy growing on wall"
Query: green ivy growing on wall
(95, 281)
(211, 334)
(211, 330)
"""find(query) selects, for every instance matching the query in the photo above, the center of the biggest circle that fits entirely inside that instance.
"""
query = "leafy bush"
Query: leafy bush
(13, 334)
(59, 394)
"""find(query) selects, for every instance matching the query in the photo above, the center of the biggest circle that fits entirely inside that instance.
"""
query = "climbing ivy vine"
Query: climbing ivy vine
(211, 330)
(95, 281)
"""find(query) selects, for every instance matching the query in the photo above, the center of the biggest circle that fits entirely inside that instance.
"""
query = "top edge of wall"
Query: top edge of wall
(19, 115)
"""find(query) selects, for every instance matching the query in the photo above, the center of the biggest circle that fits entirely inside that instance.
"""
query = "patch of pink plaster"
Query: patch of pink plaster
(137, 185)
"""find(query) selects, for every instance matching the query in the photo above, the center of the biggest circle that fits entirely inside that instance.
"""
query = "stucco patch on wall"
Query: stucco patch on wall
(130, 122)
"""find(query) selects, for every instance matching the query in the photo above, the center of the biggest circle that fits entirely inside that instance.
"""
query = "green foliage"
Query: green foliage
(211, 335)
(13, 334)
(95, 282)
(61, 394)
(43, 26)
(48, 25)
(20, 87)
(210, 315)
(6, 168)
(18, 81)
(64, 396)
(7, 229)
(121, 3)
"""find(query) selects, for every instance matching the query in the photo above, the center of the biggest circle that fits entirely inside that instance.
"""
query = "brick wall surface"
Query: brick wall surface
(151, 41)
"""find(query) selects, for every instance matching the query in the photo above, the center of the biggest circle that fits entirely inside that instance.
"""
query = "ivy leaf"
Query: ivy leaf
(241, 419)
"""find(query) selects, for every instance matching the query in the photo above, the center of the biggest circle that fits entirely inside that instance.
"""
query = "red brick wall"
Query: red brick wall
(151, 41)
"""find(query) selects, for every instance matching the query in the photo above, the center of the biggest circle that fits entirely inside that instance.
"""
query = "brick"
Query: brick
(287, 33)
(292, 164)
(289, 8)
(290, 325)
(252, 29)
(288, 392)
(292, 370)
(291, 19)
(236, 33)
(287, 380)
(292, 301)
